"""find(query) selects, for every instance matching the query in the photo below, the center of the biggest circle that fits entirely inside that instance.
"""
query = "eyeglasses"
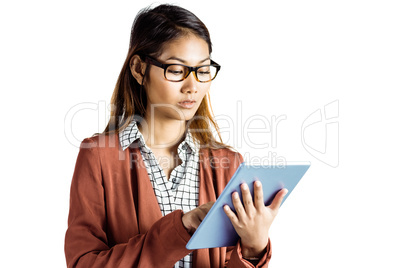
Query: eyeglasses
(179, 72)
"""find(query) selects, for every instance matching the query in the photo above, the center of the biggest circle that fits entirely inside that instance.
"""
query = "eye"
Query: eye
(204, 70)
(207, 72)
(175, 70)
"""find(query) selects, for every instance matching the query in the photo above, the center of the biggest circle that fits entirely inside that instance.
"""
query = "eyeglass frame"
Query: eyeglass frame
(191, 69)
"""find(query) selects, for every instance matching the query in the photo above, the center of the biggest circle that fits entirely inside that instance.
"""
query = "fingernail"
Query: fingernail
(235, 195)
(258, 183)
(226, 207)
(244, 186)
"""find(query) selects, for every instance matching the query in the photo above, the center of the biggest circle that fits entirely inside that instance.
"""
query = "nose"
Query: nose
(190, 84)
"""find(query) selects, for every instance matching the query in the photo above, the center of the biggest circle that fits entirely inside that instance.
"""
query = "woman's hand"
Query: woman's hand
(192, 219)
(253, 220)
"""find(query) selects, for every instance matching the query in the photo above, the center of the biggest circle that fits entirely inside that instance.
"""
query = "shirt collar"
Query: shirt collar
(131, 133)
(192, 143)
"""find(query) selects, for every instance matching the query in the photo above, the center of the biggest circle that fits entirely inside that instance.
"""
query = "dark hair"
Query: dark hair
(152, 29)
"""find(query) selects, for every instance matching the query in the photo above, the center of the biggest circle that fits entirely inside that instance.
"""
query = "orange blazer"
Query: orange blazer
(115, 220)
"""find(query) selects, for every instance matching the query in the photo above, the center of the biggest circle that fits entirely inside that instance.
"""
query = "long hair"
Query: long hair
(151, 30)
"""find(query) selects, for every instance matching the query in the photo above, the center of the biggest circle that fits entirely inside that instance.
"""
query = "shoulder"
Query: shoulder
(101, 141)
(106, 152)
(106, 148)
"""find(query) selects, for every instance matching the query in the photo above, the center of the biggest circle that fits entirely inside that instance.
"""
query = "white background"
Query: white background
(285, 58)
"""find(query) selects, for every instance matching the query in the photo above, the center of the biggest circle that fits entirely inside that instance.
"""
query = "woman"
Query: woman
(142, 187)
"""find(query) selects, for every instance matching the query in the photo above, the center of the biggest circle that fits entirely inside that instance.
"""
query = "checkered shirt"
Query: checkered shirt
(181, 190)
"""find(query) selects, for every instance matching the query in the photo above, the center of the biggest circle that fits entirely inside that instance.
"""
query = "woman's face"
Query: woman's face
(177, 100)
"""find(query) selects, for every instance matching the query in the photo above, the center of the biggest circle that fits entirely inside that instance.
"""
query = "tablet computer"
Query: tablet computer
(216, 230)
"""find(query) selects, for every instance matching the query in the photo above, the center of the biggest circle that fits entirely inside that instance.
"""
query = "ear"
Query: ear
(137, 67)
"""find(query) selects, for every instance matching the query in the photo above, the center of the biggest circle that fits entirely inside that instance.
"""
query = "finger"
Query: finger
(258, 196)
(238, 206)
(207, 206)
(276, 203)
(247, 199)
(210, 204)
(231, 215)
(204, 209)
(198, 217)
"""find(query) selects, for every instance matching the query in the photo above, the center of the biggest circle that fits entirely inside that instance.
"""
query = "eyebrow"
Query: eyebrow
(183, 61)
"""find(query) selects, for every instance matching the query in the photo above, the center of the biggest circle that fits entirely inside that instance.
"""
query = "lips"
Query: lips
(187, 104)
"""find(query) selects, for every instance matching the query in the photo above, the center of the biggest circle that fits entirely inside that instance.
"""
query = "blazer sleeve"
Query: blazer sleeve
(234, 257)
(86, 240)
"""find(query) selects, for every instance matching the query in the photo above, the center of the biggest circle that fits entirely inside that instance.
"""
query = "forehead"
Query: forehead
(190, 48)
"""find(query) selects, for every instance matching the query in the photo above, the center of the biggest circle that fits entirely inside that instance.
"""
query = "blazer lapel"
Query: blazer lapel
(147, 206)
(205, 257)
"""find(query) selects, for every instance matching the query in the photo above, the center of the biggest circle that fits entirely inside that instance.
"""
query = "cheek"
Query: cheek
(158, 90)
(204, 89)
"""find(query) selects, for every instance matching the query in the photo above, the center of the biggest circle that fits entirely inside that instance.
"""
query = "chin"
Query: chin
(189, 116)
(180, 115)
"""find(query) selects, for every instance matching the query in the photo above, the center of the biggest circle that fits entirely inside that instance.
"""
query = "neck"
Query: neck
(163, 134)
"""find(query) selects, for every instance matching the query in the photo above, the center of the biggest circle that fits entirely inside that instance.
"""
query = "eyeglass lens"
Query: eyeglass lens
(179, 72)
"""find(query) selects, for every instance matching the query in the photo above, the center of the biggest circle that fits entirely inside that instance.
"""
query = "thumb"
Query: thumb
(276, 203)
